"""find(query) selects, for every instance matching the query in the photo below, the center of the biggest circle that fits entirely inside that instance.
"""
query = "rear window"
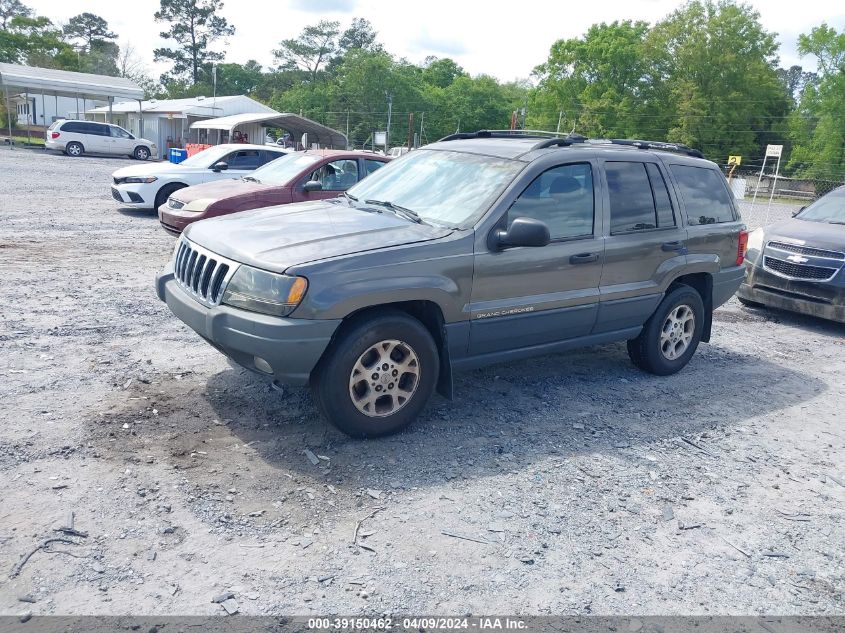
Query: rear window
(705, 195)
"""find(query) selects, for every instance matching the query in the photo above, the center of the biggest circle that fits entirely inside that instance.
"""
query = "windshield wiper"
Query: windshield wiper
(408, 214)
(251, 179)
(350, 197)
(835, 222)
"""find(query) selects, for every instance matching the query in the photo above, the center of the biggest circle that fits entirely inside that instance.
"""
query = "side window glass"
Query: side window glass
(337, 175)
(243, 159)
(665, 215)
(98, 129)
(373, 165)
(705, 194)
(267, 157)
(117, 132)
(562, 197)
(631, 200)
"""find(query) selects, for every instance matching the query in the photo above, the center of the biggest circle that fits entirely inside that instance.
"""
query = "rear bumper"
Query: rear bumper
(291, 347)
(725, 284)
(54, 145)
(823, 299)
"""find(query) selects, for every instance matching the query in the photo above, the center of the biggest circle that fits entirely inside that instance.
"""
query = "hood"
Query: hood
(221, 189)
(806, 233)
(276, 238)
(161, 167)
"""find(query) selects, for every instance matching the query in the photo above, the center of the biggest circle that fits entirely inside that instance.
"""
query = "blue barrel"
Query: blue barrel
(176, 155)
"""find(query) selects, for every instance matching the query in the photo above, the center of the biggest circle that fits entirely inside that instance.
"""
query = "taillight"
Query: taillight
(54, 135)
(741, 247)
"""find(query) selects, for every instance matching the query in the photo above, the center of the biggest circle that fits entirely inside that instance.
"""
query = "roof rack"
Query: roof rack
(501, 134)
(680, 148)
(557, 139)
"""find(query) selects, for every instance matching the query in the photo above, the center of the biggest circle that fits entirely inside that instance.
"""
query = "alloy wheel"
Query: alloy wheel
(677, 332)
(384, 378)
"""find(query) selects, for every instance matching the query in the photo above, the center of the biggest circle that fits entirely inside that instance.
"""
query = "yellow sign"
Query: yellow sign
(734, 160)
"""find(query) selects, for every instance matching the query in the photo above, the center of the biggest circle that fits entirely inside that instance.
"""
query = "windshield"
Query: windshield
(829, 208)
(207, 157)
(450, 188)
(282, 170)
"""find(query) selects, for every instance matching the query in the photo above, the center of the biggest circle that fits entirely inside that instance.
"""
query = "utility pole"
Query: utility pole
(389, 115)
(410, 130)
(559, 118)
(347, 129)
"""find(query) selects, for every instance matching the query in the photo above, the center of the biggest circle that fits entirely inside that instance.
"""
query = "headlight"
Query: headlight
(755, 240)
(199, 205)
(146, 179)
(268, 293)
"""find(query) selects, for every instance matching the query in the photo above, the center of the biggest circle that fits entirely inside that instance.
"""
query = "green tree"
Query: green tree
(441, 72)
(88, 28)
(818, 125)
(314, 48)
(35, 41)
(12, 9)
(194, 26)
(361, 35)
(714, 67)
(596, 84)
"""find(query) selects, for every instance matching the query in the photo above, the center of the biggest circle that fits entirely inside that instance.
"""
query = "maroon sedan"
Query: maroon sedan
(296, 177)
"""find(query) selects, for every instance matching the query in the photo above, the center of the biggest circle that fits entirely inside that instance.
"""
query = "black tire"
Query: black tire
(74, 149)
(649, 352)
(141, 153)
(333, 383)
(749, 304)
(165, 192)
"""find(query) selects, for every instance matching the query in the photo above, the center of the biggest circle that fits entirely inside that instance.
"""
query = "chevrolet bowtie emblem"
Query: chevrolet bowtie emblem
(798, 259)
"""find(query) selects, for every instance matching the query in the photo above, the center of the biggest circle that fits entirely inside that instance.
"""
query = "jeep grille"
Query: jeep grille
(201, 273)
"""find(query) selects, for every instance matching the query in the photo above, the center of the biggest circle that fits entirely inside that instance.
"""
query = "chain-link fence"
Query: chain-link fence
(766, 199)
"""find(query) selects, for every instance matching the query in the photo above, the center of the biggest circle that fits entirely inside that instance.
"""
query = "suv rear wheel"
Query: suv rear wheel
(671, 335)
(378, 376)
(74, 149)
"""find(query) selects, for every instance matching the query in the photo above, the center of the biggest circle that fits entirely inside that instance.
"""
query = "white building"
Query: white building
(167, 122)
(35, 110)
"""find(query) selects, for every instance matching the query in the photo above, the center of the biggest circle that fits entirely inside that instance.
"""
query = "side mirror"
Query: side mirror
(794, 213)
(523, 232)
(313, 185)
(220, 166)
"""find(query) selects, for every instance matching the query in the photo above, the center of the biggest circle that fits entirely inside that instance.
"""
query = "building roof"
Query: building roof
(193, 106)
(67, 83)
(293, 123)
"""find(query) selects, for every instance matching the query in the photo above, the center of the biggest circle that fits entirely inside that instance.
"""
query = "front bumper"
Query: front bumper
(291, 347)
(175, 221)
(823, 299)
(136, 194)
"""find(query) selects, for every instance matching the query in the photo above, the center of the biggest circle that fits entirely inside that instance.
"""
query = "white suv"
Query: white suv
(149, 186)
(75, 138)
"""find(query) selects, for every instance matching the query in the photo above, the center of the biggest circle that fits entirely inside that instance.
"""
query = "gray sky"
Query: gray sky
(482, 36)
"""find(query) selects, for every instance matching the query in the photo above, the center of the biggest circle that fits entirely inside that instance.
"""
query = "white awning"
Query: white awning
(293, 123)
(64, 83)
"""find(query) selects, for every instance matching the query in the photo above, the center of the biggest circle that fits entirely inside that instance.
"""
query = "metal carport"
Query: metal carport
(293, 123)
(65, 83)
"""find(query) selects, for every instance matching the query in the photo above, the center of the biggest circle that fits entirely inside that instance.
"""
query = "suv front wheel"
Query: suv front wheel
(671, 335)
(377, 376)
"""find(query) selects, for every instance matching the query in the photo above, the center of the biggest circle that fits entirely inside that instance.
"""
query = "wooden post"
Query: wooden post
(410, 129)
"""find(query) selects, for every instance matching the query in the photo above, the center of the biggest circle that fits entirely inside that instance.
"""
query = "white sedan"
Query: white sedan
(148, 186)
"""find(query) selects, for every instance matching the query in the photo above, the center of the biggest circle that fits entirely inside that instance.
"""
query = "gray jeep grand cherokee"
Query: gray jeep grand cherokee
(480, 248)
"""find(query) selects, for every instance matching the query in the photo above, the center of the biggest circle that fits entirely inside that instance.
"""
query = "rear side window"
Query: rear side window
(75, 127)
(631, 200)
(662, 202)
(372, 165)
(97, 129)
(267, 157)
(705, 195)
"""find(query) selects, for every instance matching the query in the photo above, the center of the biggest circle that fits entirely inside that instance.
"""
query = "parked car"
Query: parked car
(799, 264)
(470, 251)
(298, 177)
(76, 138)
(149, 186)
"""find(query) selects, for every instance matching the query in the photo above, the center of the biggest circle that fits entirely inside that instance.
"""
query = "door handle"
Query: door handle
(584, 258)
(677, 245)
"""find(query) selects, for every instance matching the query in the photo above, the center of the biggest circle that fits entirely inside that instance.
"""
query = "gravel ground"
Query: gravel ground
(568, 484)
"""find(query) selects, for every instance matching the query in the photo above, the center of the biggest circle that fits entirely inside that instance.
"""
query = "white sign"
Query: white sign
(774, 151)
(380, 138)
